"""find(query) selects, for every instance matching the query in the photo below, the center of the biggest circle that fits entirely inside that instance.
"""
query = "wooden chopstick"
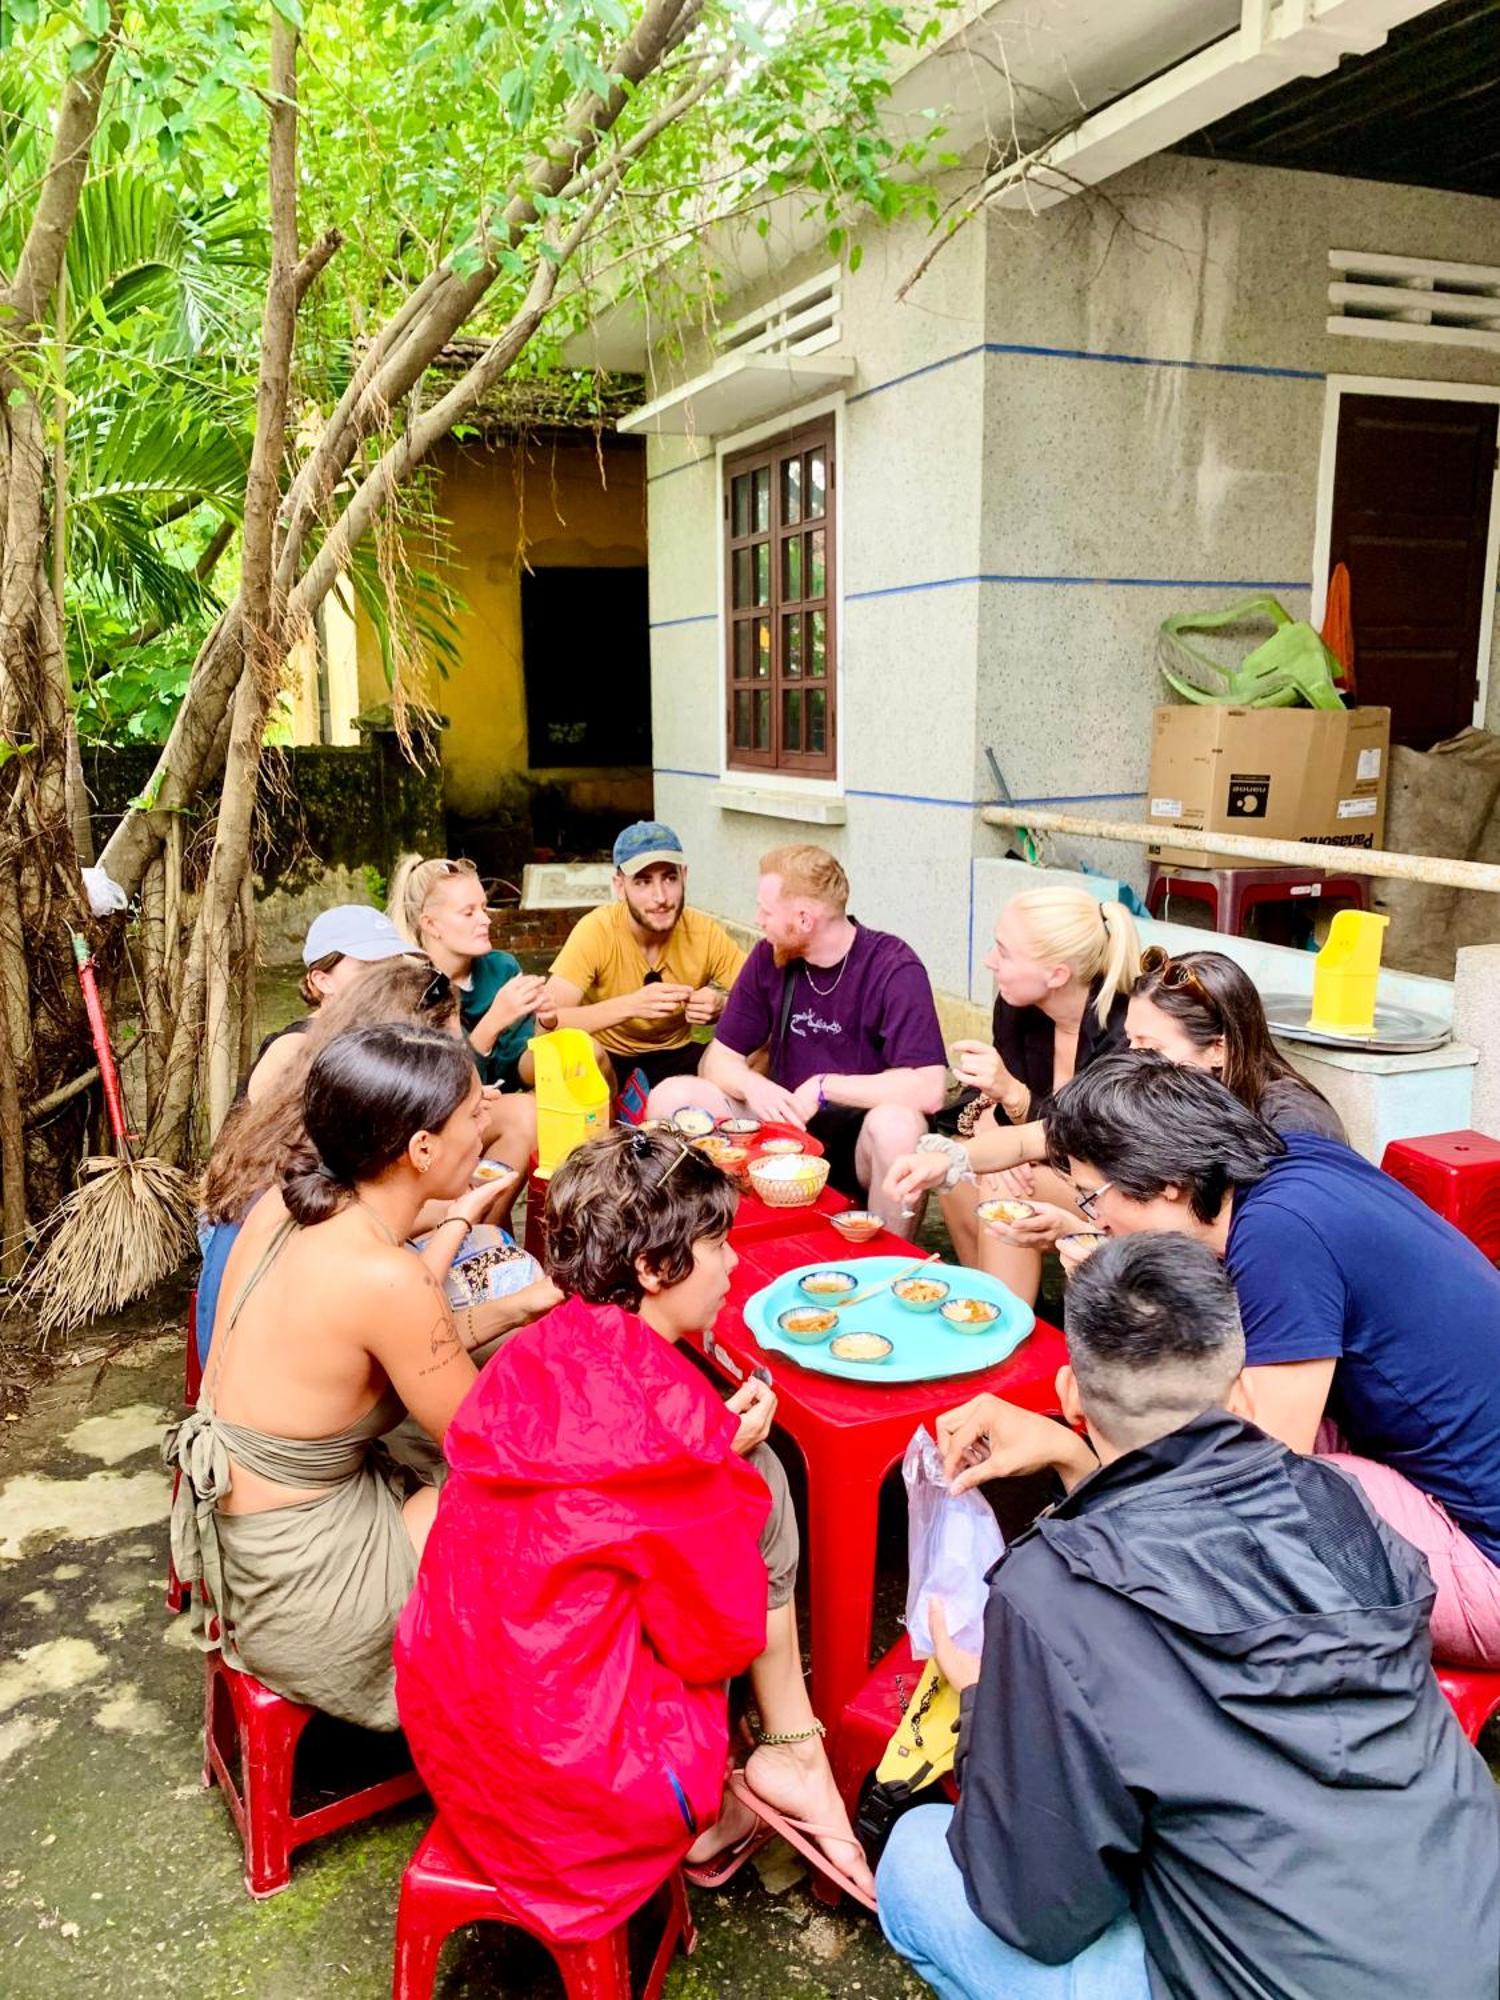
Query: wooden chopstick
(887, 1284)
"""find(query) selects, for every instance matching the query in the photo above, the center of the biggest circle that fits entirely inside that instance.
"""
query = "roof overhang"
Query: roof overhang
(738, 391)
(1276, 41)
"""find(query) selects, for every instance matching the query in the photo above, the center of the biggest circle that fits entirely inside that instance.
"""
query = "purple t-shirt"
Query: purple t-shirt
(874, 1012)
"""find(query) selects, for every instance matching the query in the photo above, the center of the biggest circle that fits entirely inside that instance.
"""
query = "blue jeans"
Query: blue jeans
(926, 1916)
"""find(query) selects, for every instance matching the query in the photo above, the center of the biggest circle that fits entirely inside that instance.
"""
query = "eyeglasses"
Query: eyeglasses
(1173, 975)
(1088, 1199)
(438, 989)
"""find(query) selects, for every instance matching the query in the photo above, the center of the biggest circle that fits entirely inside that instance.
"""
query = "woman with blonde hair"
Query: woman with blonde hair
(1064, 965)
(439, 907)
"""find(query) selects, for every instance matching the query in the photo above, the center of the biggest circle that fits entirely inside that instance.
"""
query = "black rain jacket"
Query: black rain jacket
(1206, 1696)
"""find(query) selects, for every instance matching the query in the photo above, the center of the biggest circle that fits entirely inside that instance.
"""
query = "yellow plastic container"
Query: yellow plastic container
(1345, 975)
(572, 1098)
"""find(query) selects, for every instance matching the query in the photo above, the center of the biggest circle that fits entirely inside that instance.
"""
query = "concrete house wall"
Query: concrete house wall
(1074, 423)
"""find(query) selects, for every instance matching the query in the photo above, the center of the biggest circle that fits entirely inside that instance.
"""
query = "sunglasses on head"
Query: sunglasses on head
(1172, 975)
(642, 1148)
(438, 989)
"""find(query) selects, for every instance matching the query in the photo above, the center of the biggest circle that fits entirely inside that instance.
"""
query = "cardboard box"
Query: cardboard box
(1283, 773)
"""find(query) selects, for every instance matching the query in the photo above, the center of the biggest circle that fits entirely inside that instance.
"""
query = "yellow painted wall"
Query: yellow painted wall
(564, 505)
(300, 680)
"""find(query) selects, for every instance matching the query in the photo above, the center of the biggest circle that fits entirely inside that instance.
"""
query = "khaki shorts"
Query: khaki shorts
(779, 1542)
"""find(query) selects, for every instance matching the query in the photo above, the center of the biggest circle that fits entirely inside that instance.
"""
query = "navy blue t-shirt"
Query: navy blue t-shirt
(1332, 1258)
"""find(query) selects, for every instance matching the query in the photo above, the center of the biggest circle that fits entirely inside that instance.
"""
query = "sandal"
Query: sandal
(726, 1864)
(804, 1836)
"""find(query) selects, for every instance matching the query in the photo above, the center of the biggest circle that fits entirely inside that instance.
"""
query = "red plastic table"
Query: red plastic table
(850, 1435)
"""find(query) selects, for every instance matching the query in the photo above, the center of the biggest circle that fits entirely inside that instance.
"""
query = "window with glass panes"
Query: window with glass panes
(778, 511)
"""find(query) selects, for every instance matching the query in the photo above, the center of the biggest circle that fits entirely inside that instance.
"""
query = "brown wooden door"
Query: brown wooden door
(1411, 515)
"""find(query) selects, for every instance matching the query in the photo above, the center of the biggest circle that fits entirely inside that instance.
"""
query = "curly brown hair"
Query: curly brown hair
(628, 1195)
(259, 1139)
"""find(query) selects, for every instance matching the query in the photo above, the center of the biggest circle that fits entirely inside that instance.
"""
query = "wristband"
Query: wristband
(823, 1091)
(454, 1216)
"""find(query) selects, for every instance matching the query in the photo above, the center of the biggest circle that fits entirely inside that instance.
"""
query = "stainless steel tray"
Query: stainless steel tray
(1398, 1030)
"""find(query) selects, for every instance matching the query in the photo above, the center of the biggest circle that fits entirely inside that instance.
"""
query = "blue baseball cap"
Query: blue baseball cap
(647, 841)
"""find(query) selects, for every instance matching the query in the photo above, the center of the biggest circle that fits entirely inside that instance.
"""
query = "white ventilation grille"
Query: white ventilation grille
(802, 321)
(1414, 299)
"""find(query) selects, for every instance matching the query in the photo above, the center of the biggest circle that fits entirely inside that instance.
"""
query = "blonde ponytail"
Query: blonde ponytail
(412, 885)
(1094, 940)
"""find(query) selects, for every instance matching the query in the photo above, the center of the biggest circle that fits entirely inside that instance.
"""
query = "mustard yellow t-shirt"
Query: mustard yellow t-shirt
(603, 959)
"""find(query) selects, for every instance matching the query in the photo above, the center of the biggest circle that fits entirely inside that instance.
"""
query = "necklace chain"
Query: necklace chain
(823, 992)
(379, 1220)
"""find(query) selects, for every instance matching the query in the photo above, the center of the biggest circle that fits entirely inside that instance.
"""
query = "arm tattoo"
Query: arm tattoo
(443, 1342)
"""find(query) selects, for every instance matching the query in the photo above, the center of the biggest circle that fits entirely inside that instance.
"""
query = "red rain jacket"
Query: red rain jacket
(592, 1579)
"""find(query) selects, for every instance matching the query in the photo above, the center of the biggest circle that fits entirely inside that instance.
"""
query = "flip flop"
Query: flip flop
(804, 1836)
(726, 1864)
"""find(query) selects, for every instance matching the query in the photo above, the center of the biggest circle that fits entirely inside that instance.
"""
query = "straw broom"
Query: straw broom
(126, 1226)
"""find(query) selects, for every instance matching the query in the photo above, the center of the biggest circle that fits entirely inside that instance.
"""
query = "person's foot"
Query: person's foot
(735, 1821)
(797, 1779)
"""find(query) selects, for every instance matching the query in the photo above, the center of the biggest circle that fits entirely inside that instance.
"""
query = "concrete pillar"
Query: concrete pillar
(1476, 1020)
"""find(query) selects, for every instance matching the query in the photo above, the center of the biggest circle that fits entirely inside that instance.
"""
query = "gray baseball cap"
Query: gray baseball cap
(354, 931)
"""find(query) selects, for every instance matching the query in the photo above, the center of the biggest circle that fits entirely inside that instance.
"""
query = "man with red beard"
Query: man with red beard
(642, 972)
(845, 1017)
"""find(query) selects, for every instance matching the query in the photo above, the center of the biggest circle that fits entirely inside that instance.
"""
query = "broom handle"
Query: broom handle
(109, 1076)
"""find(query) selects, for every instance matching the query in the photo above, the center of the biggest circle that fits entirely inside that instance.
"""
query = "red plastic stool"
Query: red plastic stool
(1232, 893)
(442, 1890)
(1473, 1694)
(1458, 1174)
(180, 1594)
(238, 1711)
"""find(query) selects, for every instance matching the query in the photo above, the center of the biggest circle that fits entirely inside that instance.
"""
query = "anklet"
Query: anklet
(774, 1738)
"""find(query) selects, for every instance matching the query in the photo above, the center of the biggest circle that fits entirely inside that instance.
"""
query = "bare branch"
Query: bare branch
(314, 260)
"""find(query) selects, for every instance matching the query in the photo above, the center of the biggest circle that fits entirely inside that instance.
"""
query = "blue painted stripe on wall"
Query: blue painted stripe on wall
(1040, 353)
(687, 465)
(698, 618)
(1093, 582)
(910, 798)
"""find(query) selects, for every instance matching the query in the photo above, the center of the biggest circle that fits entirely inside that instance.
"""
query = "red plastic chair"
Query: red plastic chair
(1232, 893)
(239, 1713)
(1473, 1694)
(1458, 1174)
(442, 1890)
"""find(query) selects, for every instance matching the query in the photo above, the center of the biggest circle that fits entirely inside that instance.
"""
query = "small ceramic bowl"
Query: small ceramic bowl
(856, 1225)
(693, 1122)
(714, 1143)
(739, 1128)
(920, 1295)
(969, 1315)
(1086, 1240)
(775, 1148)
(1004, 1211)
(832, 1286)
(491, 1170)
(734, 1161)
(870, 1347)
(807, 1324)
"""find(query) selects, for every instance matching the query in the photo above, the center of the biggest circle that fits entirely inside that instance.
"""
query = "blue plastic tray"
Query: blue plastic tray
(925, 1347)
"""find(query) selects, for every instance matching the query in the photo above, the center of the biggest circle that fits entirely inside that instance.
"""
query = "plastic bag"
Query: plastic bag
(951, 1543)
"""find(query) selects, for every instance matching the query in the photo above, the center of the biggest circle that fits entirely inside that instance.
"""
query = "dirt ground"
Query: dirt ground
(119, 1875)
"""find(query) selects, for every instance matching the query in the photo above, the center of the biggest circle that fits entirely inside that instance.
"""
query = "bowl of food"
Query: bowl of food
(969, 1315)
(739, 1129)
(734, 1161)
(1005, 1211)
(693, 1122)
(1082, 1242)
(868, 1347)
(714, 1143)
(789, 1183)
(491, 1170)
(781, 1148)
(829, 1286)
(807, 1324)
(856, 1225)
(921, 1295)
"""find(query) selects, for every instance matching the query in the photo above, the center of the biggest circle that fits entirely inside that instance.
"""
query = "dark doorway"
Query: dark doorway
(1412, 483)
(586, 651)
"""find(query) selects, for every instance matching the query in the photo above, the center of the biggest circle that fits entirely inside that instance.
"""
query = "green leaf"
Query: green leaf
(96, 17)
(83, 55)
(9, 750)
(22, 12)
(291, 12)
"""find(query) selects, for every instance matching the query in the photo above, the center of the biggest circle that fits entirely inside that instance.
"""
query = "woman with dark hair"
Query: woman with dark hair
(304, 1533)
(1372, 1328)
(606, 1547)
(492, 1285)
(1202, 1009)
